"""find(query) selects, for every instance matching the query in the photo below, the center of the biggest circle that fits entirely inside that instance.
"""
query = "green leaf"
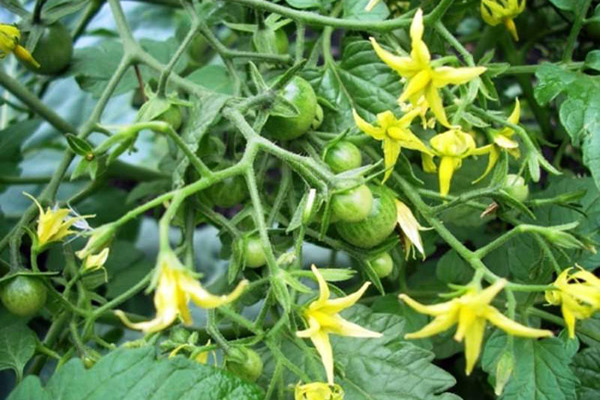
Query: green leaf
(579, 113)
(11, 142)
(541, 368)
(587, 368)
(213, 77)
(360, 81)
(592, 60)
(451, 268)
(17, 346)
(136, 374)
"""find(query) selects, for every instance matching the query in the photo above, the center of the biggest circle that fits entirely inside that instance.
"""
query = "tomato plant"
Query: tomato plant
(299, 199)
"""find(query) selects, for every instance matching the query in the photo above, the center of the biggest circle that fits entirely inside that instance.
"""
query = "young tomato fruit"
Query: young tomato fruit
(173, 116)
(515, 186)
(244, 362)
(353, 205)
(382, 264)
(228, 192)
(377, 226)
(254, 253)
(343, 156)
(23, 295)
(300, 94)
(53, 50)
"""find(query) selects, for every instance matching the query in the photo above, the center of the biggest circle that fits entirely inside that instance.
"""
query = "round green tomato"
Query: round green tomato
(378, 225)
(53, 50)
(254, 254)
(245, 363)
(23, 295)
(173, 116)
(229, 192)
(353, 205)
(343, 156)
(593, 28)
(300, 94)
(199, 49)
(282, 42)
(382, 264)
(515, 186)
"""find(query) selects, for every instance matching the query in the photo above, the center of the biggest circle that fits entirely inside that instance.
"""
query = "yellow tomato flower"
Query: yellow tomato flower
(322, 316)
(452, 147)
(53, 224)
(423, 79)
(318, 391)
(175, 288)
(410, 229)
(394, 133)
(503, 141)
(578, 294)
(470, 312)
(96, 261)
(496, 12)
(9, 43)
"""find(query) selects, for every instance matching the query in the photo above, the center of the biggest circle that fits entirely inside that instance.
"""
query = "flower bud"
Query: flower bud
(100, 238)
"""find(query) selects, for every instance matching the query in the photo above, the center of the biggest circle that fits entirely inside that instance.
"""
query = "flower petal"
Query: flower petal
(347, 328)
(321, 342)
(492, 160)
(434, 309)
(333, 306)
(439, 324)
(512, 327)
(162, 321)
(437, 106)
(443, 76)
(416, 85)
(391, 151)
(404, 66)
(446, 171)
(409, 225)
(323, 288)
(374, 132)
(473, 341)
(202, 298)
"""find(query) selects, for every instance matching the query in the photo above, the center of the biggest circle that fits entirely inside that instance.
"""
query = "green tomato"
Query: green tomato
(199, 50)
(516, 187)
(300, 94)
(23, 295)
(343, 156)
(53, 50)
(245, 363)
(378, 225)
(382, 264)
(254, 254)
(282, 42)
(353, 205)
(229, 192)
(173, 116)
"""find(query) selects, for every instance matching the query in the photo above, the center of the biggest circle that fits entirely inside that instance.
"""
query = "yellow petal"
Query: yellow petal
(443, 76)
(417, 27)
(438, 325)
(428, 164)
(515, 116)
(512, 28)
(503, 141)
(323, 288)
(321, 342)
(347, 328)
(416, 85)
(374, 132)
(204, 299)
(336, 305)
(569, 320)
(409, 225)
(313, 328)
(408, 139)
(159, 323)
(487, 295)
(492, 160)
(437, 106)
(391, 151)
(512, 327)
(473, 341)
(22, 54)
(447, 167)
(434, 309)
(404, 66)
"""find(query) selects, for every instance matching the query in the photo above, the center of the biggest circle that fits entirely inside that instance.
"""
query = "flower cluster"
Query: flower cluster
(496, 12)
(175, 287)
(470, 312)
